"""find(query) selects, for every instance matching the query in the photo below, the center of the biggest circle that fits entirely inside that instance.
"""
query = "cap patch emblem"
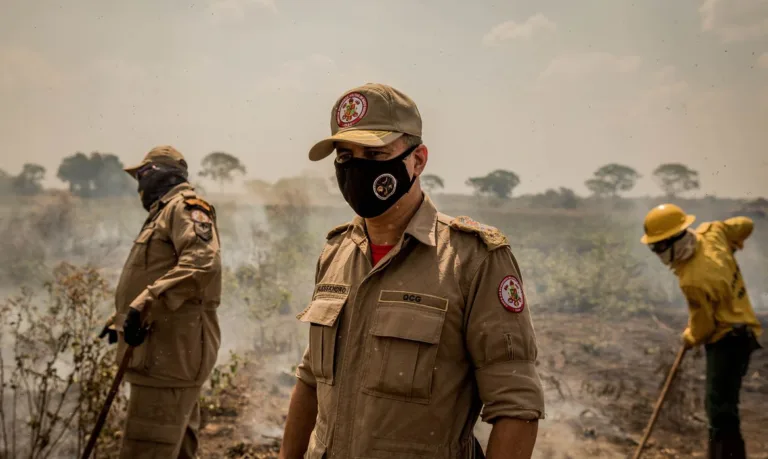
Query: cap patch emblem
(352, 109)
(384, 186)
(511, 294)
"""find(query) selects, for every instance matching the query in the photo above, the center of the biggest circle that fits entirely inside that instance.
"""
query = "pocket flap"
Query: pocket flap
(412, 323)
(323, 311)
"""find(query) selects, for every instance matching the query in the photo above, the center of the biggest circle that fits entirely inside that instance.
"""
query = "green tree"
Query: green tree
(612, 179)
(220, 167)
(498, 183)
(431, 183)
(96, 176)
(27, 183)
(676, 178)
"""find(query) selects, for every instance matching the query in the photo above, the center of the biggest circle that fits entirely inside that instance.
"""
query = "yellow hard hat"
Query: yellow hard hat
(665, 221)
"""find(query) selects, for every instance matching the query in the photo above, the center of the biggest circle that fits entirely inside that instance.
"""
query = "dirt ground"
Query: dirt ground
(601, 382)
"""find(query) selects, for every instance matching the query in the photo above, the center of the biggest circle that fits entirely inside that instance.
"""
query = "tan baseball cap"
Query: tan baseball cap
(372, 115)
(163, 154)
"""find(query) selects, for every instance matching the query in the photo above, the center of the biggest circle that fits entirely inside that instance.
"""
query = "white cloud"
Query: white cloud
(735, 20)
(23, 68)
(583, 64)
(762, 61)
(236, 10)
(511, 30)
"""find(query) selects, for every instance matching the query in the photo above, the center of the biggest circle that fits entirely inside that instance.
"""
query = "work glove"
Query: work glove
(134, 332)
(110, 333)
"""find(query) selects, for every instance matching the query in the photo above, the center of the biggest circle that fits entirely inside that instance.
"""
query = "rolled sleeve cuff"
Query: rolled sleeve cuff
(142, 299)
(305, 375)
(510, 389)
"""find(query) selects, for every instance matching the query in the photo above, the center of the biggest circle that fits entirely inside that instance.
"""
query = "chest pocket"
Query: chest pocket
(322, 315)
(140, 248)
(402, 348)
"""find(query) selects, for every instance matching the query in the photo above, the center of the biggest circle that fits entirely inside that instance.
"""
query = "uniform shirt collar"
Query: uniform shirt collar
(174, 191)
(422, 225)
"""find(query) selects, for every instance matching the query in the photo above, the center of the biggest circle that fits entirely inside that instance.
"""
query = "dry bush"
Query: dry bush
(54, 371)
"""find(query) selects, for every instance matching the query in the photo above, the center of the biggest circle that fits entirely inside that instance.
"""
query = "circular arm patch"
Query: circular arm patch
(511, 294)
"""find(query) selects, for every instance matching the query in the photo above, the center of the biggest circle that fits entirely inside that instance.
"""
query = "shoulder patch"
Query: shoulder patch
(492, 237)
(338, 230)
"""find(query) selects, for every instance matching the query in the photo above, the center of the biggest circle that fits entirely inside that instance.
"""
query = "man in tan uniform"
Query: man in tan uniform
(418, 320)
(166, 301)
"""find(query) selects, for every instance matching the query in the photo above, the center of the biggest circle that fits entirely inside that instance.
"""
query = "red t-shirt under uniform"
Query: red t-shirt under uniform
(379, 251)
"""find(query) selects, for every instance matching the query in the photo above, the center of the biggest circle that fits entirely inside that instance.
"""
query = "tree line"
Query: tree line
(610, 180)
(101, 175)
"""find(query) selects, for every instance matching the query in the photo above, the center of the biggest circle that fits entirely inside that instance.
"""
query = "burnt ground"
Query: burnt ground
(601, 379)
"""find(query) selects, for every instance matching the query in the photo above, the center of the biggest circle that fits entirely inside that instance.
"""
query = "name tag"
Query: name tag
(421, 299)
(333, 289)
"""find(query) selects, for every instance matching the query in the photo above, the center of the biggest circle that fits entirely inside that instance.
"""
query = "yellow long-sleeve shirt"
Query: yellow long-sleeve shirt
(712, 283)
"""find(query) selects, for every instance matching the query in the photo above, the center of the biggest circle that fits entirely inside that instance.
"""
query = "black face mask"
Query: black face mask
(371, 187)
(156, 180)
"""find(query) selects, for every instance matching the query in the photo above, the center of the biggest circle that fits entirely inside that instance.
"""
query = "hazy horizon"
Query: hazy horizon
(550, 90)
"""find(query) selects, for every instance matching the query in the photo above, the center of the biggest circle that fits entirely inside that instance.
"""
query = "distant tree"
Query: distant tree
(76, 170)
(612, 179)
(27, 183)
(498, 183)
(100, 175)
(109, 177)
(564, 198)
(431, 183)
(6, 183)
(599, 187)
(220, 167)
(675, 178)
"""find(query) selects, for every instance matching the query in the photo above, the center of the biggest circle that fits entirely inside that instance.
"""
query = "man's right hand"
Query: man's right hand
(134, 332)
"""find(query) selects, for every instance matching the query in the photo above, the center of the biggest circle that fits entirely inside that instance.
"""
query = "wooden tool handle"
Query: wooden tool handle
(660, 401)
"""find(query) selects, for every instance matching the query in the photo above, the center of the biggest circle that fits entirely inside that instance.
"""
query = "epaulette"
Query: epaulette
(492, 237)
(338, 230)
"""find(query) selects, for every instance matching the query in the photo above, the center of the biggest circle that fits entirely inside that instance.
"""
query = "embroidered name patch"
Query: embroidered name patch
(511, 294)
(332, 288)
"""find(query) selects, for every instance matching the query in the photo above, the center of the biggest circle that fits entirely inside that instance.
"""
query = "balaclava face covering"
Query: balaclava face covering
(156, 180)
(680, 250)
(371, 187)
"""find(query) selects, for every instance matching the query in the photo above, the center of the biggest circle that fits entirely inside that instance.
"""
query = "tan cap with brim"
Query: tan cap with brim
(163, 154)
(372, 115)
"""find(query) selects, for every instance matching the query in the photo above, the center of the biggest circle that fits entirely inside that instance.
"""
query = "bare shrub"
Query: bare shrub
(55, 372)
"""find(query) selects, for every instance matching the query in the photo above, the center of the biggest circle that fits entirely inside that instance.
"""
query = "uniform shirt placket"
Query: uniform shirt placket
(350, 380)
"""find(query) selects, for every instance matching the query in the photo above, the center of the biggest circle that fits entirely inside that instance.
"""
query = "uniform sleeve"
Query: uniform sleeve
(195, 240)
(303, 371)
(501, 341)
(701, 320)
(737, 230)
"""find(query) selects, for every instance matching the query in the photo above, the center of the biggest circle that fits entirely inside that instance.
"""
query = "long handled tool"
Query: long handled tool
(659, 402)
(145, 314)
(108, 403)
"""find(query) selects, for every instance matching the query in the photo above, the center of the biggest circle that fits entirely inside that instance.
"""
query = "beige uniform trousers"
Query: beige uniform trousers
(163, 423)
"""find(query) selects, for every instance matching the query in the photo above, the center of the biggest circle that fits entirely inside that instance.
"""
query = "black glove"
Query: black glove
(110, 333)
(133, 331)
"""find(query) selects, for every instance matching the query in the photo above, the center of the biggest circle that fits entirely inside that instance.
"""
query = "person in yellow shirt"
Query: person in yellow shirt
(720, 313)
